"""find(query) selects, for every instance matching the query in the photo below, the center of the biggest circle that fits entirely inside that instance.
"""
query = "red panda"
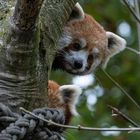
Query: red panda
(64, 97)
(85, 45)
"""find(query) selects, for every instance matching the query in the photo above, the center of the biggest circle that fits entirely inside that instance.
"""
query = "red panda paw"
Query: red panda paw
(70, 95)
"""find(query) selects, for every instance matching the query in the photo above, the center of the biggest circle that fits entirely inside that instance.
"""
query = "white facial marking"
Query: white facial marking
(83, 42)
(64, 40)
(95, 50)
(96, 63)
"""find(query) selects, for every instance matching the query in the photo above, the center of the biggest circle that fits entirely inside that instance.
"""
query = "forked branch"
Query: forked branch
(26, 13)
(79, 127)
(117, 112)
(132, 10)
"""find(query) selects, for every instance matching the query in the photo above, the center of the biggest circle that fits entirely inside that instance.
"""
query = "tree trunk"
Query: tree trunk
(27, 46)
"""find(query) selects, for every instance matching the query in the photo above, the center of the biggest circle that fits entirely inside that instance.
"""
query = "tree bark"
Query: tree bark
(28, 41)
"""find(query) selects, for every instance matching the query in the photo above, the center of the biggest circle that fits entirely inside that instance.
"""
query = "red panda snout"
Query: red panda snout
(77, 61)
(78, 64)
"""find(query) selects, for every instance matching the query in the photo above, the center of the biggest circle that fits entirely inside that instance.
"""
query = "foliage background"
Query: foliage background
(124, 68)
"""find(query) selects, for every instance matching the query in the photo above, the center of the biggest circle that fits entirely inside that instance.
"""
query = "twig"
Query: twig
(136, 4)
(133, 50)
(125, 117)
(79, 127)
(136, 104)
(131, 10)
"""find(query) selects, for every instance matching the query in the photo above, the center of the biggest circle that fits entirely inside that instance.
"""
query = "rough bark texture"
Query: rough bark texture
(26, 13)
(27, 47)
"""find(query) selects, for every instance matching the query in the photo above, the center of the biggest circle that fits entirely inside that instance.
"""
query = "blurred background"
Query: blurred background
(98, 90)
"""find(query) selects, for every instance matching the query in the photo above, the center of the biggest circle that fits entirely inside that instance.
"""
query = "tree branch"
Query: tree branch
(133, 50)
(79, 127)
(123, 91)
(28, 46)
(53, 16)
(131, 10)
(26, 13)
(126, 118)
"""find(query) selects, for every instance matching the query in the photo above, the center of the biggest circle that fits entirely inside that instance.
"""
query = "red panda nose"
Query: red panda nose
(78, 64)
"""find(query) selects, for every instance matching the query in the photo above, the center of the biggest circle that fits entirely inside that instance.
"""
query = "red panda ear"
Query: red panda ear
(116, 44)
(77, 13)
(70, 95)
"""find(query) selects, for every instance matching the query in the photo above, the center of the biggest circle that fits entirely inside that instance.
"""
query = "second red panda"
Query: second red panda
(64, 97)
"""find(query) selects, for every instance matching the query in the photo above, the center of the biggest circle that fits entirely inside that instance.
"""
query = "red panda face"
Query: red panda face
(85, 45)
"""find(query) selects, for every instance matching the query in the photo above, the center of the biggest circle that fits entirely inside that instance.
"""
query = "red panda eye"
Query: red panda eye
(77, 46)
(90, 57)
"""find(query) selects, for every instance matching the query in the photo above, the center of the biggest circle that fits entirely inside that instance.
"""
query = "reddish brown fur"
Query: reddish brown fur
(85, 45)
(92, 31)
(93, 34)
(55, 100)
